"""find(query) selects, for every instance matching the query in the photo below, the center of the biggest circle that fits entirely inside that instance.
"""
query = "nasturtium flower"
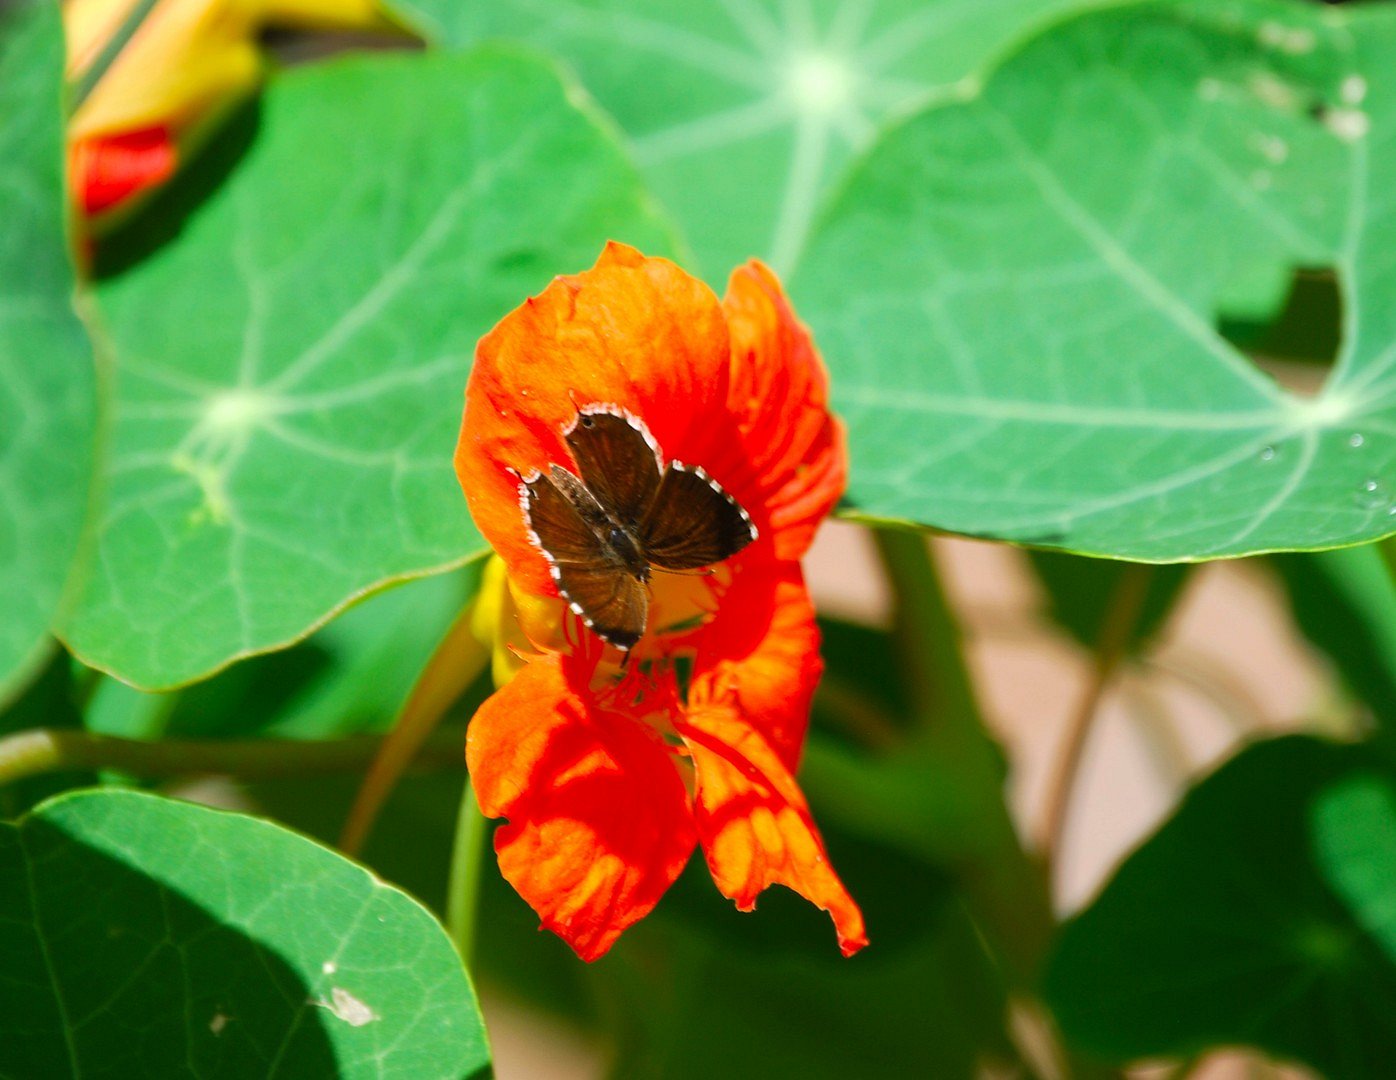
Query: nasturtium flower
(612, 766)
(180, 69)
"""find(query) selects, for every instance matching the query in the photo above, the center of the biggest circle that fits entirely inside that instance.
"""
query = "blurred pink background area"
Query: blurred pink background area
(1227, 666)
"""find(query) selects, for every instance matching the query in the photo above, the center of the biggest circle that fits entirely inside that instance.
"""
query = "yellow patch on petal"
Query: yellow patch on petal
(187, 61)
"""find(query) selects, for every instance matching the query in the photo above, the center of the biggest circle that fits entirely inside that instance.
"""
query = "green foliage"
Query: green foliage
(1262, 913)
(48, 395)
(1017, 290)
(147, 937)
(1046, 248)
(742, 112)
(929, 1005)
(374, 653)
(285, 413)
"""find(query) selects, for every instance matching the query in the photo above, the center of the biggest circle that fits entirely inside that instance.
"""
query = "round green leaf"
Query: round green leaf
(1017, 292)
(48, 395)
(148, 937)
(1263, 912)
(742, 111)
(292, 359)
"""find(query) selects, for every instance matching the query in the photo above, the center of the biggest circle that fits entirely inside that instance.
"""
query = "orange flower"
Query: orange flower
(611, 765)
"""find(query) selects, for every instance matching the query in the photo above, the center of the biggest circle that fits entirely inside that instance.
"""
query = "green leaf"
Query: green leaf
(375, 650)
(741, 112)
(293, 358)
(411, 844)
(1017, 292)
(148, 937)
(347, 678)
(1263, 912)
(48, 392)
(1354, 827)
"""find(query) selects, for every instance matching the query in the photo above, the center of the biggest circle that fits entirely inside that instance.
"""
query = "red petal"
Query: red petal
(110, 169)
(754, 824)
(633, 332)
(599, 820)
(760, 654)
(795, 457)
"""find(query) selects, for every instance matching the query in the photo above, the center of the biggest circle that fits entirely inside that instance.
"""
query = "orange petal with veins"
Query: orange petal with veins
(754, 825)
(796, 463)
(599, 821)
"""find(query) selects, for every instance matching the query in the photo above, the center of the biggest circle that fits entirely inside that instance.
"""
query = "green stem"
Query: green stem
(453, 665)
(463, 884)
(1387, 548)
(47, 750)
(92, 75)
(1006, 890)
(924, 634)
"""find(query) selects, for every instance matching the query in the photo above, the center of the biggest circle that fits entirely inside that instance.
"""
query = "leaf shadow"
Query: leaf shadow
(131, 977)
(163, 218)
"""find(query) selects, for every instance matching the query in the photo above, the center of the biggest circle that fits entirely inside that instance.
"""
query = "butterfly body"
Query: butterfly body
(617, 544)
(625, 512)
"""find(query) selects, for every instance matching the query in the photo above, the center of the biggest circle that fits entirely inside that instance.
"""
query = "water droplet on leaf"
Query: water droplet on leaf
(1371, 495)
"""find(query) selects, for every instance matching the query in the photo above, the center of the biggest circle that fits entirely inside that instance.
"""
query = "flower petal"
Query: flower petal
(760, 655)
(599, 822)
(754, 824)
(633, 332)
(108, 170)
(188, 57)
(796, 460)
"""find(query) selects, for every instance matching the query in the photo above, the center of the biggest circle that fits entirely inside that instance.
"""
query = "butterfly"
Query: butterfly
(626, 513)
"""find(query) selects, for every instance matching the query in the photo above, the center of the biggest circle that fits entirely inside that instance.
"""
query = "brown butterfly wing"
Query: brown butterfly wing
(564, 517)
(616, 458)
(608, 599)
(693, 522)
(561, 520)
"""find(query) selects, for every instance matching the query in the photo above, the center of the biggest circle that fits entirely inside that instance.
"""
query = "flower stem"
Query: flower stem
(924, 633)
(963, 766)
(966, 826)
(1387, 548)
(1122, 616)
(457, 659)
(463, 883)
(46, 750)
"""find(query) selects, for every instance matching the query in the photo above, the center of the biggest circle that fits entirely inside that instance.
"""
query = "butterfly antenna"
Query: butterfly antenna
(707, 571)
